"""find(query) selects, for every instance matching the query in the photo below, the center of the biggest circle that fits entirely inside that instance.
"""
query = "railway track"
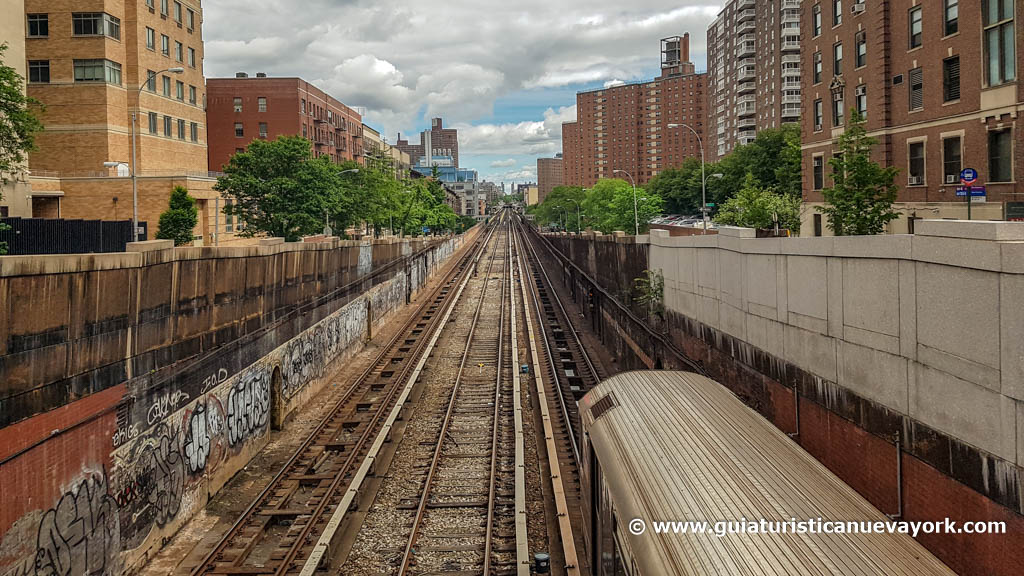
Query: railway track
(276, 533)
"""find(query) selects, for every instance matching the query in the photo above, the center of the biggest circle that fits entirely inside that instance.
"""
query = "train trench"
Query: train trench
(449, 446)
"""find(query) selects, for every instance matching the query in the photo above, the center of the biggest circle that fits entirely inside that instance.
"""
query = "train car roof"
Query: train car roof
(676, 446)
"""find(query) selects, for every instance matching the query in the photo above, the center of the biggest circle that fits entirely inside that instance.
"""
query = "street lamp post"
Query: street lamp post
(579, 225)
(566, 214)
(636, 211)
(703, 179)
(135, 181)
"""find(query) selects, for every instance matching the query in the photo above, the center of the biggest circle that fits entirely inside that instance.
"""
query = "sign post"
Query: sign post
(968, 176)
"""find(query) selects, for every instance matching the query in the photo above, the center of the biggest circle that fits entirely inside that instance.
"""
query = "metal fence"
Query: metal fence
(59, 236)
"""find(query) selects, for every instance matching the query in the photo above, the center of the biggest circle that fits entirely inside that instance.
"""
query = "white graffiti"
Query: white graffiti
(213, 380)
(248, 405)
(125, 434)
(197, 440)
(164, 405)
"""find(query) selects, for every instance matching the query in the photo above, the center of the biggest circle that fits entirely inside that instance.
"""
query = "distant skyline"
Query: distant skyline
(505, 75)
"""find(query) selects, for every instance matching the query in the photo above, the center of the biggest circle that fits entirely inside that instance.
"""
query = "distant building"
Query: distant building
(626, 127)
(15, 195)
(242, 109)
(438, 141)
(531, 195)
(549, 175)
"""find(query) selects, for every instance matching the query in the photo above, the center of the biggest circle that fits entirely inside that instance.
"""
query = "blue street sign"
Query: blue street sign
(968, 176)
(975, 191)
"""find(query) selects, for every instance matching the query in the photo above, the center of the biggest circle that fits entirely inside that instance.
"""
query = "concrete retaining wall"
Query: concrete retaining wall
(99, 483)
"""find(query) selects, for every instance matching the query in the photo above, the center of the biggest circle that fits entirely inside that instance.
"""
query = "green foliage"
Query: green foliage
(650, 293)
(609, 206)
(560, 206)
(18, 122)
(758, 207)
(863, 192)
(180, 218)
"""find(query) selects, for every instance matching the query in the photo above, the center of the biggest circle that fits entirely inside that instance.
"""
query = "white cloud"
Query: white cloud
(503, 163)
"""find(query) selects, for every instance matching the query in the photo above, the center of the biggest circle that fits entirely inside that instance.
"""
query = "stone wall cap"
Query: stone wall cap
(271, 241)
(150, 246)
(971, 229)
(737, 232)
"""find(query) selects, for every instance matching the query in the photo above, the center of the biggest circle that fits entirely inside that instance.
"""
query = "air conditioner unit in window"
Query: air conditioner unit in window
(915, 180)
(817, 127)
(857, 8)
(952, 178)
(861, 90)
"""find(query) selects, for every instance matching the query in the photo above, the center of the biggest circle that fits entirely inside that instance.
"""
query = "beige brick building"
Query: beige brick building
(15, 195)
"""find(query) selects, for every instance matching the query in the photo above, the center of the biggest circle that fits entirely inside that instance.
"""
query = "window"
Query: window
(192, 57)
(951, 79)
(167, 86)
(179, 52)
(192, 95)
(151, 80)
(195, 132)
(39, 71)
(838, 110)
(151, 39)
(915, 164)
(816, 15)
(181, 129)
(837, 12)
(96, 24)
(98, 71)
(180, 90)
(167, 126)
(1000, 53)
(261, 104)
(304, 131)
(1000, 156)
(916, 89)
(951, 17)
(861, 100)
(190, 20)
(177, 12)
(817, 67)
(837, 59)
(303, 109)
(818, 114)
(163, 7)
(165, 45)
(153, 128)
(38, 25)
(263, 130)
(239, 130)
(238, 105)
(150, 4)
(915, 27)
(951, 160)
(862, 49)
(819, 172)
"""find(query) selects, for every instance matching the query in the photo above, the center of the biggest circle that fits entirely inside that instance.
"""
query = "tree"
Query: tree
(18, 125)
(863, 192)
(609, 206)
(680, 187)
(560, 205)
(180, 218)
(756, 206)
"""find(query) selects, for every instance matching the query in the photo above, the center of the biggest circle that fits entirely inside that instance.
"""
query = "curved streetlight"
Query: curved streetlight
(578, 221)
(703, 179)
(636, 211)
(135, 113)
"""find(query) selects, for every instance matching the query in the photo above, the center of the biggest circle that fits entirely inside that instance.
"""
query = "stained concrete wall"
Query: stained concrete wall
(98, 484)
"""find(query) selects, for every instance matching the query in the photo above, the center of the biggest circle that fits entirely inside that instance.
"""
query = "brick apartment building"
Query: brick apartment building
(626, 127)
(91, 69)
(753, 71)
(549, 175)
(440, 141)
(939, 88)
(244, 108)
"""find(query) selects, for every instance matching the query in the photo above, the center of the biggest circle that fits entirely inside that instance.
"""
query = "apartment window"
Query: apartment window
(96, 24)
(38, 25)
(165, 45)
(261, 103)
(838, 110)
(177, 12)
(861, 49)
(190, 20)
(916, 89)
(837, 59)
(195, 132)
(861, 100)
(304, 131)
(915, 163)
(181, 129)
(819, 172)
(837, 12)
(153, 123)
(1000, 156)
(39, 71)
(263, 130)
(951, 79)
(818, 115)
(816, 15)
(951, 17)
(98, 71)
(1000, 53)
(817, 225)
(238, 105)
(150, 3)
(915, 27)
(167, 86)
(239, 130)
(192, 95)
(951, 160)
(180, 90)
(168, 122)
(163, 7)
(151, 81)
(303, 108)
(179, 52)
(192, 57)
(151, 39)
(817, 67)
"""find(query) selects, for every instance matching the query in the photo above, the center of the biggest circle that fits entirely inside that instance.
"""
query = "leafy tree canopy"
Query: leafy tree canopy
(18, 121)
(179, 220)
(758, 207)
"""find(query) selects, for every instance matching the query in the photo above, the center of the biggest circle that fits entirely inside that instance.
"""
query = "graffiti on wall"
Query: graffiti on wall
(150, 483)
(365, 263)
(80, 536)
(306, 357)
(248, 405)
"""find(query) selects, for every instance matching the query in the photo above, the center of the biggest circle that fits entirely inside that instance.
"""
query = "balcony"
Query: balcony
(746, 49)
(791, 59)
(791, 99)
(791, 5)
(791, 111)
(745, 27)
(746, 109)
(791, 72)
(744, 4)
(744, 87)
(744, 15)
(791, 85)
(790, 43)
(791, 16)
(745, 73)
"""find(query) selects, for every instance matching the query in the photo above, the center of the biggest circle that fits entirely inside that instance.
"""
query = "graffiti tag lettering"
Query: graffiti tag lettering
(248, 405)
(81, 534)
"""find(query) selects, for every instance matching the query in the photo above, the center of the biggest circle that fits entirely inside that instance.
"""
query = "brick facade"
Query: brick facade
(549, 176)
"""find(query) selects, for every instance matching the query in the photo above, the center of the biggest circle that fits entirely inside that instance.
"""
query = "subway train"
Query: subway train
(675, 447)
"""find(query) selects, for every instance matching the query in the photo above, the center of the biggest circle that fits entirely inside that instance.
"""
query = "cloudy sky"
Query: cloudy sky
(505, 73)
